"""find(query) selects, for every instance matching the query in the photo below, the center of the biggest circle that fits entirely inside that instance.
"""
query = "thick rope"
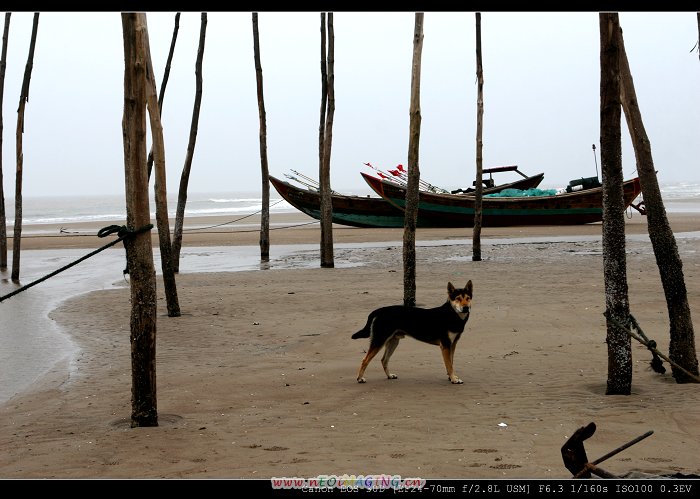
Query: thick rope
(656, 363)
(123, 232)
(650, 344)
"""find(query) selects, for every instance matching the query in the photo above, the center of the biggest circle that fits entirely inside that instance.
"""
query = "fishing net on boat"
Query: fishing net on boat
(513, 193)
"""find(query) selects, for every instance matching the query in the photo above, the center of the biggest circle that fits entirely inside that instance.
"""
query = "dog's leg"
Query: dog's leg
(447, 358)
(388, 351)
(453, 347)
(371, 352)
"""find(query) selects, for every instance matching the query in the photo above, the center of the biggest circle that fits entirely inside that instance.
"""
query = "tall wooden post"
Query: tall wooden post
(23, 98)
(328, 89)
(264, 170)
(166, 75)
(412, 199)
(476, 236)
(185, 176)
(682, 345)
(614, 258)
(139, 253)
(161, 195)
(3, 219)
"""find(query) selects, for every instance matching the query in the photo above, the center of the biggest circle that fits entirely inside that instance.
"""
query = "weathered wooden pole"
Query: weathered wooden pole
(139, 252)
(23, 98)
(476, 235)
(682, 344)
(328, 89)
(185, 177)
(614, 258)
(166, 75)
(411, 212)
(264, 170)
(3, 218)
(161, 195)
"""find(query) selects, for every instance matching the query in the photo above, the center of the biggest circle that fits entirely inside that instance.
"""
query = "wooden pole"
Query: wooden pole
(161, 195)
(265, 172)
(411, 212)
(185, 177)
(614, 259)
(327, 258)
(166, 75)
(476, 235)
(3, 218)
(139, 252)
(663, 241)
(23, 98)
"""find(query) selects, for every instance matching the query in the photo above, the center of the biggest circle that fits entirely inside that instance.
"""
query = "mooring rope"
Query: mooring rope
(650, 344)
(121, 230)
(64, 231)
(258, 230)
(233, 221)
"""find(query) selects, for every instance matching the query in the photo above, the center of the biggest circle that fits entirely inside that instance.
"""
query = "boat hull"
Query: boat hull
(355, 211)
(457, 210)
(369, 211)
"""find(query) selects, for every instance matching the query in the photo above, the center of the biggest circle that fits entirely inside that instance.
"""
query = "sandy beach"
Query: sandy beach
(257, 378)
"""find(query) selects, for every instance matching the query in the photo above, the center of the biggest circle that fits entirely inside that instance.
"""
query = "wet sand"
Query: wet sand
(297, 228)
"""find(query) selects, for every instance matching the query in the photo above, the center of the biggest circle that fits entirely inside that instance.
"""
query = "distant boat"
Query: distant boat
(368, 211)
(457, 210)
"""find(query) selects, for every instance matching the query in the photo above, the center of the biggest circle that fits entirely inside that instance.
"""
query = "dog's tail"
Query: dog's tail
(365, 331)
(362, 333)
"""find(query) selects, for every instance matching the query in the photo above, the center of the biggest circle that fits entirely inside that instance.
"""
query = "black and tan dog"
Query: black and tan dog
(440, 326)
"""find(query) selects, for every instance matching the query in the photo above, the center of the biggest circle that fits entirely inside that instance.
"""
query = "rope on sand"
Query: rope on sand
(122, 231)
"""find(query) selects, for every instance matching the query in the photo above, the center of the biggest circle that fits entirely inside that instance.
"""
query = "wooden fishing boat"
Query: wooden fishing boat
(372, 211)
(355, 211)
(457, 210)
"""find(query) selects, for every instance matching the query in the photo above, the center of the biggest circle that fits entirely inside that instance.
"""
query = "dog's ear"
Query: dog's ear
(450, 288)
(469, 288)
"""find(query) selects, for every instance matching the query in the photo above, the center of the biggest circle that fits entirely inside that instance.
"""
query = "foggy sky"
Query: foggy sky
(541, 97)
